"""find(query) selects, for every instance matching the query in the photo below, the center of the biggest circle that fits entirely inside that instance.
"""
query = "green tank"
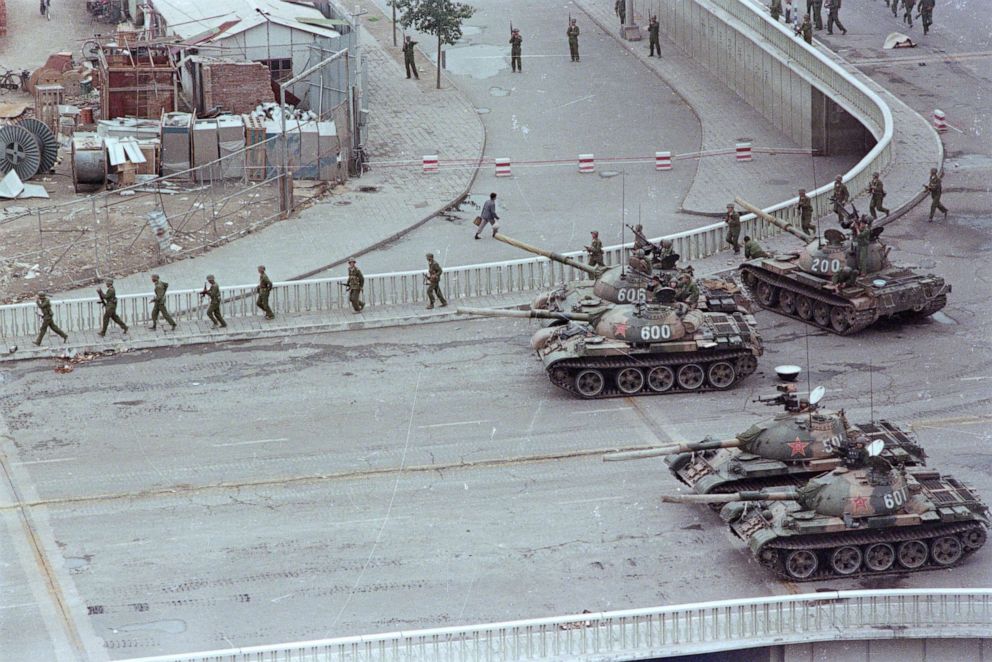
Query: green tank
(801, 284)
(802, 442)
(865, 519)
(642, 349)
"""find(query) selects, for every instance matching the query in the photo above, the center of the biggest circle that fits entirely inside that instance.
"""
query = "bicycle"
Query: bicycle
(10, 80)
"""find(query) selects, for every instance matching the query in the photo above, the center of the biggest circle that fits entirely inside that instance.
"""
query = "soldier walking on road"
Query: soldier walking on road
(434, 272)
(935, 187)
(47, 320)
(814, 8)
(733, 221)
(515, 41)
(877, 191)
(109, 301)
(488, 215)
(158, 301)
(805, 207)
(595, 251)
(926, 13)
(753, 250)
(573, 39)
(806, 30)
(833, 16)
(264, 289)
(620, 9)
(840, 197)
(907, 16)
(356, 281)
(411, 65)
(653, 43)
(212, 290)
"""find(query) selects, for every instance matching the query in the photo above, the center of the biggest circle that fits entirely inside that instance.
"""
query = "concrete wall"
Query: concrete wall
(886, 650)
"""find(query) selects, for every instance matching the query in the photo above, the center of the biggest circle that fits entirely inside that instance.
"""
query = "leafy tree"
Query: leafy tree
(441, 18)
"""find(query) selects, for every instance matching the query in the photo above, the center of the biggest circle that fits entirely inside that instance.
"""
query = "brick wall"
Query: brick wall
(236, 87)
(3, 18)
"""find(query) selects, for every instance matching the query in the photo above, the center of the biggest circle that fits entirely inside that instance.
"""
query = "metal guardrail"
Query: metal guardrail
(644, 633)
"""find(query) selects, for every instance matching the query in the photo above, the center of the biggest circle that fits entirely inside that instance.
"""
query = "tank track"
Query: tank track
(862, 538)
(859, 319)
(562, 374)
(935, 304)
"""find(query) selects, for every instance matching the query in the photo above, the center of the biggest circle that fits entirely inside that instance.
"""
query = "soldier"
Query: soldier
(805, 207)
(833, 16)
(687, 291)
(356, 281)
(47, 321)
(653, 43)
(573, 39)
(488, 215)
(667, 248)
(907, 17)
(753, 250)
(814, 9)
(895, 7)
(212, 290)
(776, 9)
(595, 251)
(840, 197)
(655, 288)
(515, 41)
(159, 303)
(806, 30)
(926, 13)
(935, 187)
(638, 262)
(264, 289)
(109, 301)
(411, 65)
(855, 454)
(877, 191)
(434, 272)
(862, 237)
(620, 9)
(640, 241)
(733, 221)
(844, 278)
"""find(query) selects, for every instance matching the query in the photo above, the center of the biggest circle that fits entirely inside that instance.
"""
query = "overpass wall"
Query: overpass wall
(885, 650)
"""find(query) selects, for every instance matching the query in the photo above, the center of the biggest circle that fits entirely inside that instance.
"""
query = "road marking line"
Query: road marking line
(61, 459)
(600, 411)
(586, 98)
(245, 443)
(448, 425)
(612, 498)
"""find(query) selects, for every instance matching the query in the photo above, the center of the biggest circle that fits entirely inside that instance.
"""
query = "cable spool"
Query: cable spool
(48, 143)
(19, 151)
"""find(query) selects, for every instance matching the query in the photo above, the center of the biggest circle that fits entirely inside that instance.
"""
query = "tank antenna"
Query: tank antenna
(812, 158)
(809, 376)
(871, 391)
(623, 201)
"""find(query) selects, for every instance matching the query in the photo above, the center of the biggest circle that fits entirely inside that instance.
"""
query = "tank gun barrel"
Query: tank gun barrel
(796, 232)
(557, 257)
(671, 449)
(525, 314)
(730, 497)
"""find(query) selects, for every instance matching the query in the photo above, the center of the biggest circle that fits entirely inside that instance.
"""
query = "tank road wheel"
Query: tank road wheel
(821, 313)
(589, 383)
(974, 539)
(946, 550)
(691, 376)
(722, 375)
(630, 380)
(801, 564)
(846, 560)
(912, 554)
(661, 378)
(880, 557)
(787, 302)
(804, 307)
(766, 294)
(749, 279)
(746, 365)
(840, 319)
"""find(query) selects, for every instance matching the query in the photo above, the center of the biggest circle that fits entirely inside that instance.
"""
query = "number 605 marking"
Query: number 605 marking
(661, 332)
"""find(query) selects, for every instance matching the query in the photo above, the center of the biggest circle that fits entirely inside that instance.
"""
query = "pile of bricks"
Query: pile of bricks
(236, 87)
(3, 18)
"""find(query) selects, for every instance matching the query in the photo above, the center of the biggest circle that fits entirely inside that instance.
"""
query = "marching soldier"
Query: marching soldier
(212, 290)
(356, 281)
(264, 289)
(753, 250)
(733, 221)
(515, 41)
(408, 61)
(935, 187)
(926, 13)
(159, 303)
(47, 320)
(573, 39)
(109, 301)
(595, 251)
(877, 192)
(434, 272)
(620, 9)
(805, 207)
(653, 43)
(840, 197)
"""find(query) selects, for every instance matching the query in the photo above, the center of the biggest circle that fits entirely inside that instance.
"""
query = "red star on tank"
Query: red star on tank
(798, 447)
(859, 504)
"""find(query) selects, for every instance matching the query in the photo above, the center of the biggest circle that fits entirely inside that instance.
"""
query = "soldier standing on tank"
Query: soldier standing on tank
(356, 281)
(805, 207)
(877, 191)
(653, 43)
(753, 250)
(733, 221)
(408, 61)
(158, 303)
(926, 13)
(47, 320)
(515, 41)
(935, 187)
(862, 237)
(595, 251)
(640, 241)
(573, 39)
(806, 30)
(840, 197)
(434, 272)
(109, 301)
(264, 289)
(833, 17)
(212, 290)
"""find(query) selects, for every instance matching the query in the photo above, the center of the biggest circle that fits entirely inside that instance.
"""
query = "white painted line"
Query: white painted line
(23, 604)
(576, 101)
(246, 443)
(975, 379)
(448, 425)
(61, 459)
(600, 411)
(612, 498)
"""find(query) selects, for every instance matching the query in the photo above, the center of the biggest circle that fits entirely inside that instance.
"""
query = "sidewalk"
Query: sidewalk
(407, 119)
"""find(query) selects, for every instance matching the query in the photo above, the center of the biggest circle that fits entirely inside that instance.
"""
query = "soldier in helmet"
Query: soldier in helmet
(855, 453)
(687, 291)
(434, 272)
(877, 192)
(846, 277)
(355, 284)
(638, 262)
(47, 320)
(640, 241)
(935, 188)
(109, 301)
(212, 290)
(839, 198)
(667, 249)
(595, 251)
(733, 221)
(263, 290)
(805, 207)
(753, 250)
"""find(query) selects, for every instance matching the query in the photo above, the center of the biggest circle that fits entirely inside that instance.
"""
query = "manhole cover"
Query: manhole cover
(499, 92)
(606, 174)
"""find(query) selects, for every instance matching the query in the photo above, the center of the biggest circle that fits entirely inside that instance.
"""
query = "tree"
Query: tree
(441, 18)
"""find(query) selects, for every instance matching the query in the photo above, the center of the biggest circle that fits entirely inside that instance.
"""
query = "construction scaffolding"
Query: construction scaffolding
(137, 79)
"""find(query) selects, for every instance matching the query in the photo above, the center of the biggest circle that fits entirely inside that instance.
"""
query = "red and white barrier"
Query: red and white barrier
(743, 151)
(662, 160)
(503, 168)
(587, 163)
(939, 121)
(430, 163)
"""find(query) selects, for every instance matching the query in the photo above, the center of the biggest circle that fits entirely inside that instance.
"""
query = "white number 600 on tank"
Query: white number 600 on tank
(656, 332)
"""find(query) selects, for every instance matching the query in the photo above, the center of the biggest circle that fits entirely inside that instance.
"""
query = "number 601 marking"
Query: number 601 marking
(661, 332)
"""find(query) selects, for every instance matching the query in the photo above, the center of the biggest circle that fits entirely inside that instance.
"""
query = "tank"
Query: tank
(783, 451)
(867, 519)
(800, 284)
(626, 285)
(642, 349)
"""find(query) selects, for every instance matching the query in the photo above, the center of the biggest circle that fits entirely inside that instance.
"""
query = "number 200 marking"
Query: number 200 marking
(662, 332)
(826, 265)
